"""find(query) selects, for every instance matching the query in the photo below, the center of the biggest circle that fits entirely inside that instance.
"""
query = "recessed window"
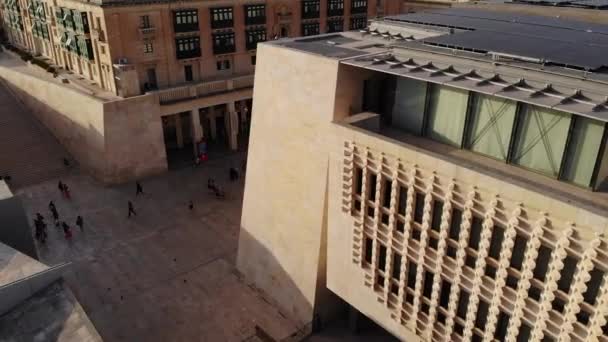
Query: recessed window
(444, 298)
(382, 258)
(501, 326)
(455, 224)
(498, 235)
(463, 304)
(358, 6)
(369, 246)
(567, 274)
(593, 286)
(372, 187)
(254, 37)
(428, 284)
(223, 64)
(148, 47)
(419, 208)
(396, 266)
(310, 29)
(446, 115)
(541, 139)
(335, 7)
(583, 150)
(188, 75)
(358, 180)
(402, 200)
(188, 47)
(335, 25)
(357, 23)
(542, 262)
(221, 17)
(437, 213)
(524, 333)
(185, 20)
(491, 123)
(387, 192)
(407, 112)
(255, 14)
(144, 21)
(411, 275)
(223, 43)
(310, 9)
(475, 236)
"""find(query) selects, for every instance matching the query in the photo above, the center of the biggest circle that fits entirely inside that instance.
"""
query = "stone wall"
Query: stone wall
(281, 239)
(115, 141)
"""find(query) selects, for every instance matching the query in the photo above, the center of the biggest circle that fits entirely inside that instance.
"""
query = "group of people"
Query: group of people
(41, 233)
(40, 225)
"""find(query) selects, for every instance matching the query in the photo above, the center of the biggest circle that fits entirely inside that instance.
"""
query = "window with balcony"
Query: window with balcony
(187, 47)
(358, 6)
(148, 47)
(85, 48)
(310, 29)
(223, 43)
(358, 23)
(335, 8)
(255, 14)
(185, 20)
(144, 22)
(310, 9)
(254, 37)
(221, 17)
(335, 25)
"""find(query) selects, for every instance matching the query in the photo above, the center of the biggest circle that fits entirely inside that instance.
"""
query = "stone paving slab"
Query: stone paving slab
(167, 274)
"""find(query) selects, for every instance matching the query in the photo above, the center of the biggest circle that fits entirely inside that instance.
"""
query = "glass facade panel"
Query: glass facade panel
(583, 150)
(408, 108)
(541, 139)
(492, 121)
(446, 116)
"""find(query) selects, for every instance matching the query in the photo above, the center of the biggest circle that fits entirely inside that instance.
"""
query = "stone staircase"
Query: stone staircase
(29, 153)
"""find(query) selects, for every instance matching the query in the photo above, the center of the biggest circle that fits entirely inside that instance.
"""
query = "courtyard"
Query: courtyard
(167, 274)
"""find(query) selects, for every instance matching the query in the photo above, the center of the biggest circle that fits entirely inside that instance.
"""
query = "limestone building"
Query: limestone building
(443, 173)
(187, 65)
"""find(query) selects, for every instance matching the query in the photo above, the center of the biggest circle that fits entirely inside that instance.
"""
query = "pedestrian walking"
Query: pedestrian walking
(80, 223)
(233, 174)
(40, 232)
(66, 191)
(190, 205)
(54, 212)
(61, 188)
(138, 189)
(67, 232)
(131, 210)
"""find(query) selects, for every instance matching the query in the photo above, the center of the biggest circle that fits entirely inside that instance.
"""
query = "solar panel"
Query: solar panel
(553, 40)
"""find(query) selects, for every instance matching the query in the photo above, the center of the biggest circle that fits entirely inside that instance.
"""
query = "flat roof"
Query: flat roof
(414, 45)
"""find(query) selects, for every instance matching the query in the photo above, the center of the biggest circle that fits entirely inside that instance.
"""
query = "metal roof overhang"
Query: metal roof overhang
(467, 79)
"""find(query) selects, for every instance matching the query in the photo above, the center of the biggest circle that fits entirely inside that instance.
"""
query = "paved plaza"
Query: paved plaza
(166, 274)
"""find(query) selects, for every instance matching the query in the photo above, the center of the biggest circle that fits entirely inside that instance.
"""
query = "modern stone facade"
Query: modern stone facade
(433, 241)
(188, 67)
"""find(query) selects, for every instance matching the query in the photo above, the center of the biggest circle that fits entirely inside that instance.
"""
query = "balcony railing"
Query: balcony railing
(189, 92)
(147, 31)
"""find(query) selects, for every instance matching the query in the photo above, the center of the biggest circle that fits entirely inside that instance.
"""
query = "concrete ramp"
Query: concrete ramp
(22, 276)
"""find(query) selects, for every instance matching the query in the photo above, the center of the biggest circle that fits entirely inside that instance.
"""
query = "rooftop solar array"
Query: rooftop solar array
(593, 4)
(546, 39)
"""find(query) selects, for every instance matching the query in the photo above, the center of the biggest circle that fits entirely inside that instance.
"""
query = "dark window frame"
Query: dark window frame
(187, 47)
(221, 17)
(255, 14)
(358, 23)
(185, 20)
(358, 6)
(335, 8)
(223, 43)
(335, 25)
(311, 9)
(310, 29)
(253, 37)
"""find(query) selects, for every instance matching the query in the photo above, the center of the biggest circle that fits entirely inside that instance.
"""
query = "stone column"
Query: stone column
(233, 126)
(197, 129)
(178, 130)
(212, 125)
